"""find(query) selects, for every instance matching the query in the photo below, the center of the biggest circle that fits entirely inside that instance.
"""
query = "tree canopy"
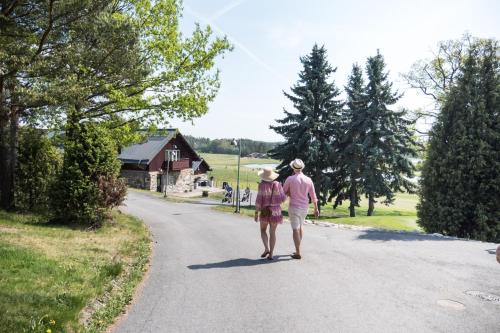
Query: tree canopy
(460, 183)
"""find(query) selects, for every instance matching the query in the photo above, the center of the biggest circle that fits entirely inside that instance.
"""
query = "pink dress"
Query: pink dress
(270, 194)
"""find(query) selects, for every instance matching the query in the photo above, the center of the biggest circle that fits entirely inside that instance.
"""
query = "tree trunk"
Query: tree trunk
(317, 189)
(4, 147)
(371, 204)
(9, 125)
(13, 140)
(353, 199)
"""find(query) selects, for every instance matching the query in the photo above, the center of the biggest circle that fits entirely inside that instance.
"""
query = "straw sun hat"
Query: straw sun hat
(297, 164)
(267, 174)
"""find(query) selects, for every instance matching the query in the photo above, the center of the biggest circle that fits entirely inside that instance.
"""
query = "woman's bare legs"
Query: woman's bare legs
(263, 235)
(272, 238)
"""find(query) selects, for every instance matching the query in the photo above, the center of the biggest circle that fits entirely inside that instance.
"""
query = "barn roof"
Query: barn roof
(143, 153)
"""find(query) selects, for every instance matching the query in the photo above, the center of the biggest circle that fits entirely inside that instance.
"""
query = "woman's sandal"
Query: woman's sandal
(263, 255)
(296, 256)
(270, 257)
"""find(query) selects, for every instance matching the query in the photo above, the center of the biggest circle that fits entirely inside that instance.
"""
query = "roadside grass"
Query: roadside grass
(225, 169)
(68, 279)
(400, 216)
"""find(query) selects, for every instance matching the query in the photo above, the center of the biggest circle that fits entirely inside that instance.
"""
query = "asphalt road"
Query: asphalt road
(206, 276)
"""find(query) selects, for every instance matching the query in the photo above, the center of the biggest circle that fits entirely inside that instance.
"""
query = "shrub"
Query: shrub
(460, 184)
(87, 187)
(39, 162)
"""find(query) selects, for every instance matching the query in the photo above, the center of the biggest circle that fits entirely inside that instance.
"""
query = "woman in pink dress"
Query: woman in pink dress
(268, 209)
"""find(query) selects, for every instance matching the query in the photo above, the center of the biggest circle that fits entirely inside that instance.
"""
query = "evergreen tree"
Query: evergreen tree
(388, 143)
(350, 155)
(310, 132)
(460, 184)
(39, 163)
(90, 169)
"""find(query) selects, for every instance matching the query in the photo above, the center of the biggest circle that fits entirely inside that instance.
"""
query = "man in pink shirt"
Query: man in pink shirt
(298, 187)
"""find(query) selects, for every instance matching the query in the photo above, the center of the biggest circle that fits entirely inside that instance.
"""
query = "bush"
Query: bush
(460, 183)
(87, 187)
(39, 162)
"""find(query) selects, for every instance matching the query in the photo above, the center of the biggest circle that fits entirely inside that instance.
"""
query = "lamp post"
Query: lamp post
(238, 143)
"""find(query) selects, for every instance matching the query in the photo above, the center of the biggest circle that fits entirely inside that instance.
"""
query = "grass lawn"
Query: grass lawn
(56, 277)
(400, 216)
(225, 168)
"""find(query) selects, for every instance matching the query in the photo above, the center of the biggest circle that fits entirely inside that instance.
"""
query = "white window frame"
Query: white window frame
(174, 154)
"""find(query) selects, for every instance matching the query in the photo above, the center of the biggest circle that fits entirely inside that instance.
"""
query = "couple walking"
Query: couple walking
(271, 195)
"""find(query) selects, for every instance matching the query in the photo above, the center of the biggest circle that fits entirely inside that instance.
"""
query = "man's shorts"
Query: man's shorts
(297, 216)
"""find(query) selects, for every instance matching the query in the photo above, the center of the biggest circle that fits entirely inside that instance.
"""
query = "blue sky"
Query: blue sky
(269, 36)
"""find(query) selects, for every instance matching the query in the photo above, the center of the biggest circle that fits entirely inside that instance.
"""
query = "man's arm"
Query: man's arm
(286, 186)
(314, 199)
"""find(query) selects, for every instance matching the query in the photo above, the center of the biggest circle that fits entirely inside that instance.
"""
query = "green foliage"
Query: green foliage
(460, 183)
(350, 158)
(39, 162)
(311, 133)
(86, 188)
(387, 139)
(124, 62)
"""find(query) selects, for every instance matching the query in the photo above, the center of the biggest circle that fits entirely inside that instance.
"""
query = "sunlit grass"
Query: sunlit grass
(52, 272)
(400, 216)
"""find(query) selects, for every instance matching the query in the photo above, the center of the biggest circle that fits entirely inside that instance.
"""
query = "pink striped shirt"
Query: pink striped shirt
(297, 187)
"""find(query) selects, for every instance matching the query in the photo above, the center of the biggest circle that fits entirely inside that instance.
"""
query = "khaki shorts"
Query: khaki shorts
(297, 216)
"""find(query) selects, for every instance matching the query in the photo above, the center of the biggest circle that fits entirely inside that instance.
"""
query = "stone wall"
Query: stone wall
(140, 179)
(184, 180)
(179, 181)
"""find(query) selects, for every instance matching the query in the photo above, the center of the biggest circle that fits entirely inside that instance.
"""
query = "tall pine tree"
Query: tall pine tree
(388, 143)
(309, 133)
(350, 156)
(460, 184)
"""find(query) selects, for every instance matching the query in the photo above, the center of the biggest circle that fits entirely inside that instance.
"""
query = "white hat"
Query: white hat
(297, 164)
(267, 174)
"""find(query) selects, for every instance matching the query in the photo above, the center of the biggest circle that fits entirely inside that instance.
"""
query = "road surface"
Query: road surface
(206, 276)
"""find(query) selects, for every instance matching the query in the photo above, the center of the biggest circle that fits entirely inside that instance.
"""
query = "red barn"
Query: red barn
(162, 161)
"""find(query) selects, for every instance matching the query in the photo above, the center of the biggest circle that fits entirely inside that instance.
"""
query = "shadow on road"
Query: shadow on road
(384, 236)
(240, 262)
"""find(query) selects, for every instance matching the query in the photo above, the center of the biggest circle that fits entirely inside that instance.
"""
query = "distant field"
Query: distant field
(225, 169)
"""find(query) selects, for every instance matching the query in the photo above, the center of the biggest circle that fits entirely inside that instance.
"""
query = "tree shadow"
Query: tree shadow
(240, 262)
(384, 236)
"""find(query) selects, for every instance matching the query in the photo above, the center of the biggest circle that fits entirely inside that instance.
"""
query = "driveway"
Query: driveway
(206, 276)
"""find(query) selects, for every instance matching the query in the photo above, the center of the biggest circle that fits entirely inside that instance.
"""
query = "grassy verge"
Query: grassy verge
(68, 279)
(400, 216)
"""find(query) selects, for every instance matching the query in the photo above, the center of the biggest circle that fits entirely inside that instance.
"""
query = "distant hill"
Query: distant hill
(223, 146)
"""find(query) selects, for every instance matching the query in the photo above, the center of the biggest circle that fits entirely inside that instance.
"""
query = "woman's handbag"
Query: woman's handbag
(266, 211)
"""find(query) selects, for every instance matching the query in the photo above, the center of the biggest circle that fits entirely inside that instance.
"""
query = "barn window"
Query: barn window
(172, 155)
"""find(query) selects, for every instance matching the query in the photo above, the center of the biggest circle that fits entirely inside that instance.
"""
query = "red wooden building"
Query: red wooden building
(162, 161)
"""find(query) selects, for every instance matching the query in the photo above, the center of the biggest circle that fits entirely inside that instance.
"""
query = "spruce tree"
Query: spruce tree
(90, 169)
(351, 152)
(388, 143)
(460, 183)
(309, 133)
